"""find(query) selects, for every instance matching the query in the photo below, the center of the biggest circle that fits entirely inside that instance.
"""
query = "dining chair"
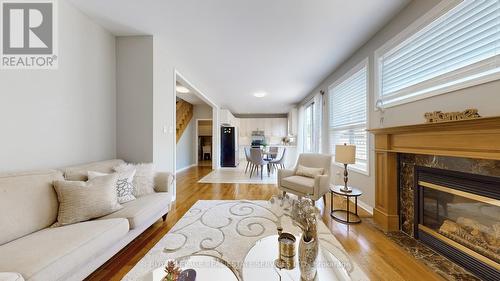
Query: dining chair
(279, 161)
(256, 157)
(273, 152)
(247, 156)
(207, 149)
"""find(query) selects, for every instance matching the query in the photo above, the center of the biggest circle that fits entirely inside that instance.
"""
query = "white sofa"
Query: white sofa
(31, 250)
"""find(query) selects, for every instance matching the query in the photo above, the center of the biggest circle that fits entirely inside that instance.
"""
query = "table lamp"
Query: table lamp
(345, 154)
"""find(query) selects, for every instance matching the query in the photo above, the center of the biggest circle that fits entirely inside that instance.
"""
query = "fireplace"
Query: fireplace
(458, 215)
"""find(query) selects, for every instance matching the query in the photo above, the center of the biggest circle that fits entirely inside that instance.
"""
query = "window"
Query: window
(456, 45)
(348, 114)
(309, 128)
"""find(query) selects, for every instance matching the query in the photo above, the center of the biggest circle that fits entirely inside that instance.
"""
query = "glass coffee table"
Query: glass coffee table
(259, 264)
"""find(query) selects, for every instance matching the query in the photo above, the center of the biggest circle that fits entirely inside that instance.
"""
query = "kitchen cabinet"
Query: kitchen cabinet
(243, 128)
(227, 118)
(274, 128)
(268, 127)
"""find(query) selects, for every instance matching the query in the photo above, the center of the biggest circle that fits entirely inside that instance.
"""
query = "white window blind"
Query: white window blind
(348, 114)
(459, 46)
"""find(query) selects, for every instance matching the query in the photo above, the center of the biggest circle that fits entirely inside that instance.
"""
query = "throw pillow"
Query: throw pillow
(124, 184)
(309, 171)
(81, 201)
(143, 180)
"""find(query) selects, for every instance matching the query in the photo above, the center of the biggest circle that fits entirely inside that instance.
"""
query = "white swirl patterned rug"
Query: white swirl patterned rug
(228, 229)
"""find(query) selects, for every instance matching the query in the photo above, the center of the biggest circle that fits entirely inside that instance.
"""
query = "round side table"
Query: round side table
(345, 215)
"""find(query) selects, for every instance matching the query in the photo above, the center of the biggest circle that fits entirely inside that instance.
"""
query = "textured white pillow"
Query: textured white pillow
(309, 171)
(81, 201)
(124, 184)
(143, 180)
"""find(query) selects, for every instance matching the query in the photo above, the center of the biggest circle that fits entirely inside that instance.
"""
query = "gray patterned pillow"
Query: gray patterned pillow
(124, 184)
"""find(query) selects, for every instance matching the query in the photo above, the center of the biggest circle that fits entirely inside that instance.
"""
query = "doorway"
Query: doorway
(192, 105)
(204, 146)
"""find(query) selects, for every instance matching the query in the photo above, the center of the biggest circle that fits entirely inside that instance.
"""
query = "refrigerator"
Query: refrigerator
(229, 147)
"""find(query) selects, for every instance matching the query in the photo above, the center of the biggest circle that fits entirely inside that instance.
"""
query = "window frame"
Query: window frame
(306, 106)
(353, 167)
(401, 39)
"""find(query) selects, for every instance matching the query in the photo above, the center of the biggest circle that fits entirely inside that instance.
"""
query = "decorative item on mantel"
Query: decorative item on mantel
(305, 216)
(439, 116)
(345, 154)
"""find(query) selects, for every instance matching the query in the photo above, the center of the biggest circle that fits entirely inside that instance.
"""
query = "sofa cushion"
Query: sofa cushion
(51, 253)
(80, 172)
(309, 172)
(140, 210)
(81, 201)
(28, 203)
(300, 184)
(124, 185)
(143, 179)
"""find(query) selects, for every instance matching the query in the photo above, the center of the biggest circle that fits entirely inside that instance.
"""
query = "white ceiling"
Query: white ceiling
(190, 97)
(237, 47)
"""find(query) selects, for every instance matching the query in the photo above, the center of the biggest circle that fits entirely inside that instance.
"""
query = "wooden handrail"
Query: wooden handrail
(184, 114)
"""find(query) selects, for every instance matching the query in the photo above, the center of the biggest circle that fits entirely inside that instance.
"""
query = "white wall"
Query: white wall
(185, 147)
(484, 97)
(134, 98)
(202, 111)
(167, 63)
(53, 118)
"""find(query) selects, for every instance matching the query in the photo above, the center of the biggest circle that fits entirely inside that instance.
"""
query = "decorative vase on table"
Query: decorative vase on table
(308, 255)
(305, 216)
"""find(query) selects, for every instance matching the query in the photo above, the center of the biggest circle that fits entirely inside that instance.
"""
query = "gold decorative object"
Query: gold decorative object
(308, 256)
(439, 116)
(287, 250)
(279, 263)
(305, 216)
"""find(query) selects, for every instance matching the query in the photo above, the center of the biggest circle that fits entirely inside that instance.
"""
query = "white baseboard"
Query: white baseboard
(364, 206)
(185, 168)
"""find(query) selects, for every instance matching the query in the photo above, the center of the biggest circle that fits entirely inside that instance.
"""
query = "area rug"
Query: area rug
(238, 175)
(228, 229)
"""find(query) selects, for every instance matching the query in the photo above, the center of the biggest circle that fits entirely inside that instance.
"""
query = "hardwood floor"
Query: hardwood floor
(379, 257)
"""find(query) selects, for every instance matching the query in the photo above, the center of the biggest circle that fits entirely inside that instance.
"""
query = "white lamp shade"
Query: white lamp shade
(345, 154)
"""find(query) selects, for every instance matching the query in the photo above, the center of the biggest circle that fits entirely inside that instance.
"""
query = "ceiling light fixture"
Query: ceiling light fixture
(260, 94)
(182, 89)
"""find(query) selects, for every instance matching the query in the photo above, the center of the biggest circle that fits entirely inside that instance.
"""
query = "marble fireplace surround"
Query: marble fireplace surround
(472, 145)
(407, 164)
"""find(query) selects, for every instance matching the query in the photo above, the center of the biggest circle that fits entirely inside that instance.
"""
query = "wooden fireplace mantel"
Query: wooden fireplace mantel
(478, 138)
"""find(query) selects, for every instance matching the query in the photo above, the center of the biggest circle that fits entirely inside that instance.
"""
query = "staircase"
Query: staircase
(184, 114)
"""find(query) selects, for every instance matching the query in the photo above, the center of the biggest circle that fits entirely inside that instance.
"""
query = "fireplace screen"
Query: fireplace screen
(469, 220)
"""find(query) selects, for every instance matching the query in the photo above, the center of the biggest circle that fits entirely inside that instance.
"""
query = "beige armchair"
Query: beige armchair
(302, 186)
